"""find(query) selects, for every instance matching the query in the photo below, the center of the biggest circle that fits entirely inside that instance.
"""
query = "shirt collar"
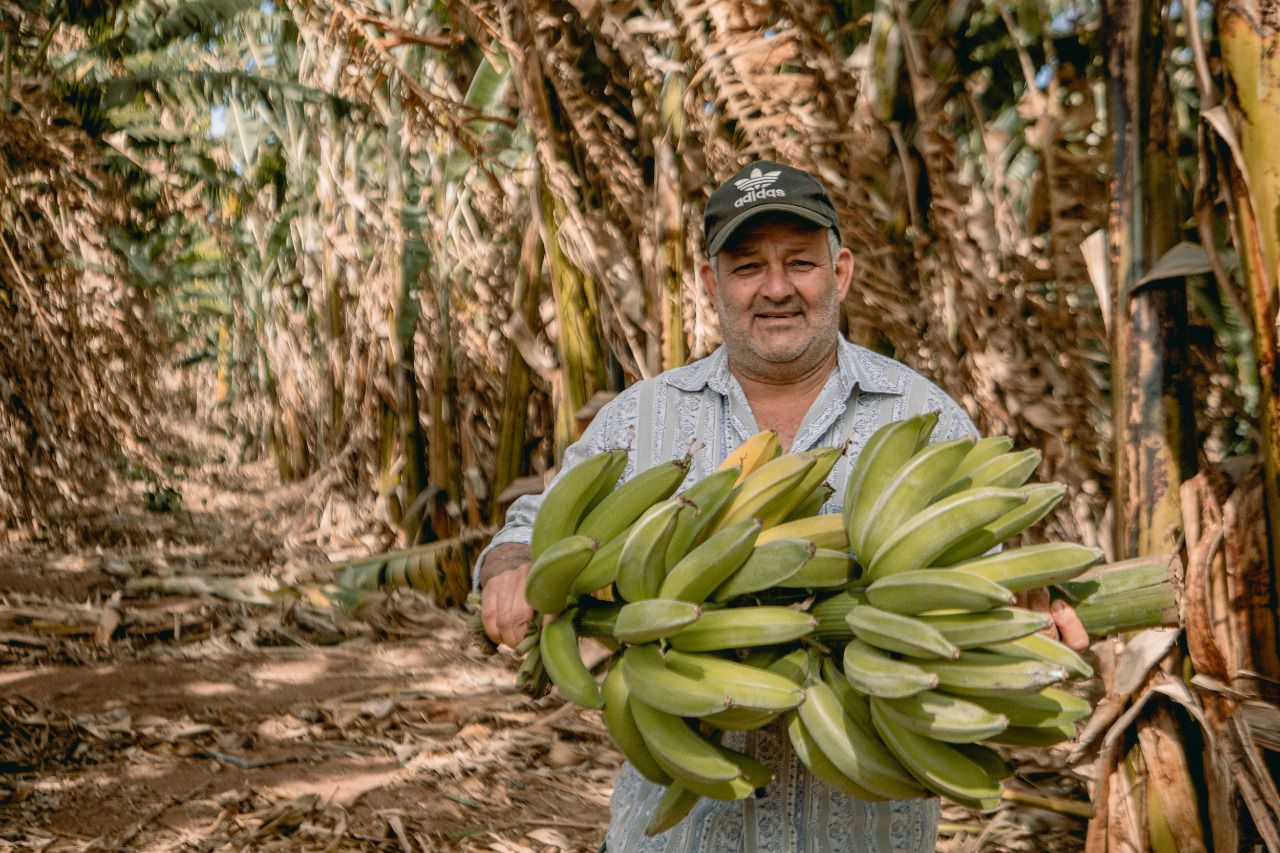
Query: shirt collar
(713, 372)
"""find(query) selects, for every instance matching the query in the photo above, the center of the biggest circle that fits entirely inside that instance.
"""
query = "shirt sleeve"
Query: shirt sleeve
(607, 431)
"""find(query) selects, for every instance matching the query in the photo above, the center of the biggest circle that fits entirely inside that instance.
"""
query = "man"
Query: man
(777, 274)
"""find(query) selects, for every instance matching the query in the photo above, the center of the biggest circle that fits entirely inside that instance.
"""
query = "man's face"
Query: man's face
(778, 295)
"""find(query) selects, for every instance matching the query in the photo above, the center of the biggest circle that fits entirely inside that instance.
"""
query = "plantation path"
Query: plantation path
(136, 720)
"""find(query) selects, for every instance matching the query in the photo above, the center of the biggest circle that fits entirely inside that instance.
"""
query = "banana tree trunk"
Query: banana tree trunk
(1249, 33)
(514, 420)
(1153, 421)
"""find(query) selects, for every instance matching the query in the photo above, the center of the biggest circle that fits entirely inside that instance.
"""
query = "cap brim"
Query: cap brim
(736, 222)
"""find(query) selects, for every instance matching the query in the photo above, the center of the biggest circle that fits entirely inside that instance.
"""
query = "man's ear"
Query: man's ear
(844, 270)
(708, 280)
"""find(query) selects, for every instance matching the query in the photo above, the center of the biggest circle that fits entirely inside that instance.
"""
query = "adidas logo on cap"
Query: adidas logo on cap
(755, 187)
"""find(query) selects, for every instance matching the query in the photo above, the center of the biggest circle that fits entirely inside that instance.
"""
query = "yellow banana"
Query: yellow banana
(764, 488)
(751, 454)
(824, 531)
(824, 459)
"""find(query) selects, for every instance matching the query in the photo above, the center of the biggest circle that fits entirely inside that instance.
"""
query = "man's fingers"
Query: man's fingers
(1070, 629)
(503, 610)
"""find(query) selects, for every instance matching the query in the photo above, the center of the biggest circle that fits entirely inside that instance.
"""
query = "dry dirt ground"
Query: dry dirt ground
(136, 720)
(154, 697)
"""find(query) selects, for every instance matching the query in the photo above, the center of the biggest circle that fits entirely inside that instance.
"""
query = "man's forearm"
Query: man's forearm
(503, 558)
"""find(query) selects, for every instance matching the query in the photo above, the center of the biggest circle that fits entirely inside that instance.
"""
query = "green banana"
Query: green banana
(602, 571)
(706, 498)
(621, 507)
(974, 630)
(831, 612)
(874, 673)
(768, 486)
(911, 488)
(1035, 736)
(826, 569)
(824, 459)
(943, 769)
(1041, 499)
(547, 586)
(733, 789)
(681, 751)
(563, 662)
(793, 666)
(596, 618)
(1050, 707)
(1033, 566)
(1039, 647)
(808, 751)
(651, 680)
(885, 452)
(622, 727)
(851, 747)
(743, 686)
(741, 719)
(654, 619)
(983, 450)
(766, 567)
(676, 803)
(986, 674)
(743, 627)
(988, 759)
(922, 590)
(942, 717)
(1007, 471)
(894, 633)
(711, 563)
(824, 531)
(573, 494)
(854, 701)
(934, 529)
(641, 564)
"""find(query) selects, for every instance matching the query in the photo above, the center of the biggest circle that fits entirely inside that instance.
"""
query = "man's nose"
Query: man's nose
(777, 284)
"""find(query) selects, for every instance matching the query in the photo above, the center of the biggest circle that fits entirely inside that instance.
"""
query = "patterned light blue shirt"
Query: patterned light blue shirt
(702, 406)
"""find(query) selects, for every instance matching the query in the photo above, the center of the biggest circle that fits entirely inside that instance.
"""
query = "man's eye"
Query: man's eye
(746, 269)
(803, 265)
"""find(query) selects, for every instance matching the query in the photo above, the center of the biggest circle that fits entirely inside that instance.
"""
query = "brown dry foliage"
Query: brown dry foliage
(74, 368)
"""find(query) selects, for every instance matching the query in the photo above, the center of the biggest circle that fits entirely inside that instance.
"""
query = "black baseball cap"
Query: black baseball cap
(760, 187)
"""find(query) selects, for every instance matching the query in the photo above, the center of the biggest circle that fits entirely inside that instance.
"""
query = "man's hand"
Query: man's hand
(503, 609)
(1066, 626)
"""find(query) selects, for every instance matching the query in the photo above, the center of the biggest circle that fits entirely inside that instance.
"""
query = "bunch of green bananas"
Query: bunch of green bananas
(884, 638)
